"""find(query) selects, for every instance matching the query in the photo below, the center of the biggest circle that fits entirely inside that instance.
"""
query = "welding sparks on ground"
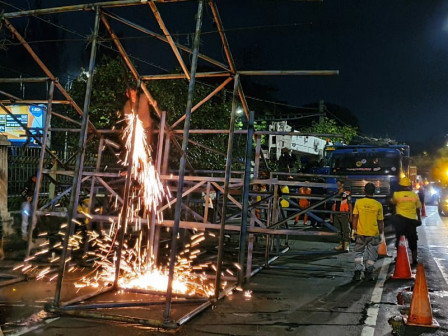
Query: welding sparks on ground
(137, 267)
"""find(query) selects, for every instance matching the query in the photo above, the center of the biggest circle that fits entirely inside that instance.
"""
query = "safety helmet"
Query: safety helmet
(405, 182)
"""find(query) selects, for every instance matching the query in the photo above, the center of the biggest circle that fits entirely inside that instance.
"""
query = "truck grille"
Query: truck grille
(356, 187)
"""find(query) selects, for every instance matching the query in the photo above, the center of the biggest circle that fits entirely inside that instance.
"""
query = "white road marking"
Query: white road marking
(442, 268)
(430, 215)
(368, 331)
(372, 312)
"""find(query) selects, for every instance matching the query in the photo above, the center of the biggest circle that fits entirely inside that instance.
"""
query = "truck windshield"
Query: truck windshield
(365, 163)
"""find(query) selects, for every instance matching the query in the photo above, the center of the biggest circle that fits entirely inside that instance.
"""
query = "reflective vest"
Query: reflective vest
(343, 204)
(303, 202)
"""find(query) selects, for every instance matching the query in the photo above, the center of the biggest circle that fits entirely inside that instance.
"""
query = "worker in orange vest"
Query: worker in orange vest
(303, 203)
(343, 218)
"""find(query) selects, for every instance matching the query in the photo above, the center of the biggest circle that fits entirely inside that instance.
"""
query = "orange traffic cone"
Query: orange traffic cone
(423, 210)
(382, 248)
(420, 312)
(402, 266)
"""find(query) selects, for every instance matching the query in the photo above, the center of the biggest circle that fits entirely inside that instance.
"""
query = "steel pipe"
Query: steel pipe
(226, 189)
(35, 201)
(169, 38)
(76, 185)
(173, 252)
(182, 76)
(245, 210)
(25, 80)
(162, 38)
(82, 7)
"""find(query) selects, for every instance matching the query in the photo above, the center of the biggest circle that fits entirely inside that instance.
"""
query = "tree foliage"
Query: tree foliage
(330, 126)
(110, 81)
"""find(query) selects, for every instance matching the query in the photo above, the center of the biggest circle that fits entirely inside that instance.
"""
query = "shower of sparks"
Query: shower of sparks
(137, 267)
(143, 171)
(137, 270)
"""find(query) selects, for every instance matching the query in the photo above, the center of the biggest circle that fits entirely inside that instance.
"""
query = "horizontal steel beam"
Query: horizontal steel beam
(182, 76)
(82, 7)
(201, 226)
(224, 131)
(33, 101)
(24, 80)
(85, 173)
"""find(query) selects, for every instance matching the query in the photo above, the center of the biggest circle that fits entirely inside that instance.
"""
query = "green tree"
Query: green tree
(424, 163)
(330, 126)
(111, 79)
(108, 96)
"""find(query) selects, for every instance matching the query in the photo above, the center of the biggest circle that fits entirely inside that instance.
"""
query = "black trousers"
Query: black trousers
(405, 227)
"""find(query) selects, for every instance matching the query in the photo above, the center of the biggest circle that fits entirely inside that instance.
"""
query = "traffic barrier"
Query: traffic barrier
(402, 266)
(382, 248)
(420, 311)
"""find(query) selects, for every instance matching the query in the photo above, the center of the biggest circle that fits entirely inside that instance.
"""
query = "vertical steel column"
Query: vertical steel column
(276, 212)
(151, 242)
(226, 188)
(166, 155)
(39, 170)
(250, 245)
(97, 169)
(77, 176)
(92, 197)
(160, 142)
(244, 211)
(175, 230)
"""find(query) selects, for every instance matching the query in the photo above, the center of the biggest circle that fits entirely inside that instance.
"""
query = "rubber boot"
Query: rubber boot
(346, 246)
(357, 276)
(368, 275)
(340, 247)
(2, 253)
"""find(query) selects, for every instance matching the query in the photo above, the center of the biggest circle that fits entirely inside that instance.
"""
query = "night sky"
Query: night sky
(392, 55)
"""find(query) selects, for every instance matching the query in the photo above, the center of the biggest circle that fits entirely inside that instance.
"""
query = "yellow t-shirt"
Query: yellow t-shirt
(407, 203)
(284, 203)
(370, 212)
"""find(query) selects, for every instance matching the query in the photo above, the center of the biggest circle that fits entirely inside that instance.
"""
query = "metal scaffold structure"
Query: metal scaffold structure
(235, 195)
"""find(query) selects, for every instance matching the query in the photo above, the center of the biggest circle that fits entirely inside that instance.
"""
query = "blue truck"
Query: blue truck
(358, 165)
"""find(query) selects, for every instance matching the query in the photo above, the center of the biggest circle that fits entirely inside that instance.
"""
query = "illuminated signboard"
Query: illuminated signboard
(31, 116)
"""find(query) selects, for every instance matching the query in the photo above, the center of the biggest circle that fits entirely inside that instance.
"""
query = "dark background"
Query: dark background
(392, 55)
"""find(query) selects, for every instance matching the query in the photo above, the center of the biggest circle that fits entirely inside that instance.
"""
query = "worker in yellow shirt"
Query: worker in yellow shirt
(407, 215)
(284, 204)
(368, 227)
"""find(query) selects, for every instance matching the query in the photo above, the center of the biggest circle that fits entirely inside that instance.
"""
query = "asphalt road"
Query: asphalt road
(308, 291)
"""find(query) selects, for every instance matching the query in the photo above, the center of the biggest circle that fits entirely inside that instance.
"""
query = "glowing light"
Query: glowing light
(143, 171)
(248, 294)
(137, 267)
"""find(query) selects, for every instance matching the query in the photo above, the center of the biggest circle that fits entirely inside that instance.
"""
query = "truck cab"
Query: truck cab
(358, 165)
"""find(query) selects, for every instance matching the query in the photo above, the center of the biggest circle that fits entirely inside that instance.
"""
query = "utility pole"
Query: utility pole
(321, 111)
